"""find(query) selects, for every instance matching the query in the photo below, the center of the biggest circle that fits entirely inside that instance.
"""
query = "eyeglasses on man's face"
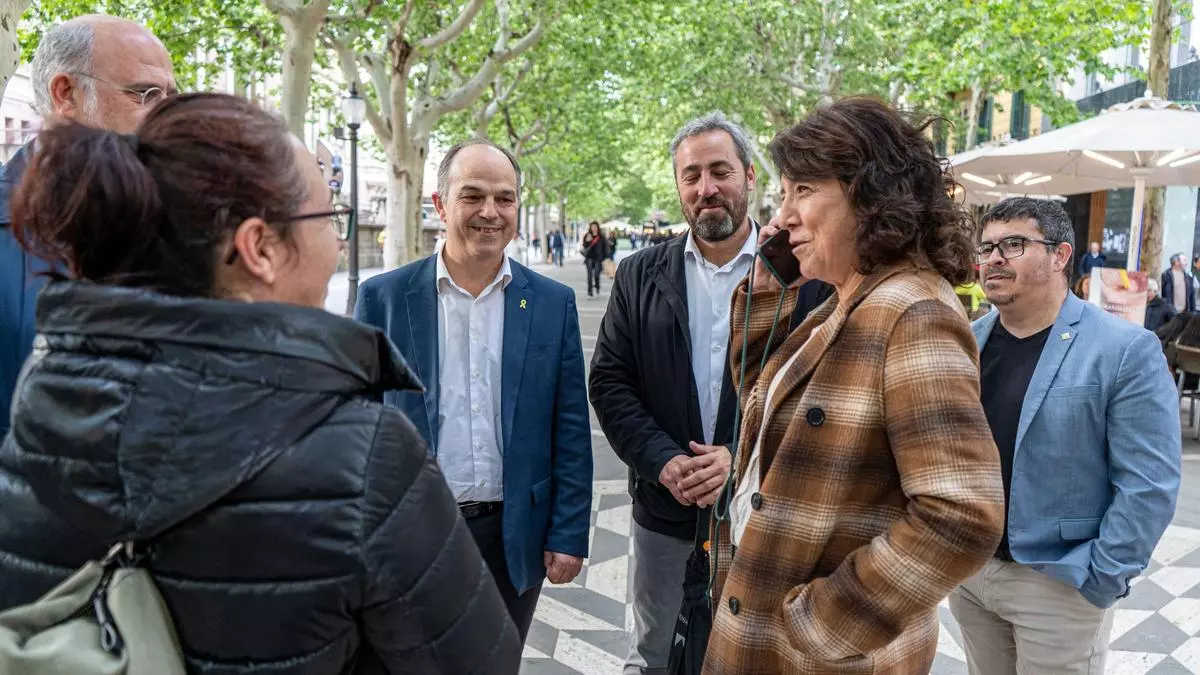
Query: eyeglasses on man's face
(340, 217)
(147, 96)
(1009, 247)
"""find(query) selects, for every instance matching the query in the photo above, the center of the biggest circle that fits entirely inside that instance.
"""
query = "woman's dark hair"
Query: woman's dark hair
(151, 210)
(898, 187)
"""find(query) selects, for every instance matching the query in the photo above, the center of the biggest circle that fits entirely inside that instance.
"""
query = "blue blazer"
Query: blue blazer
(1097, 461)
(547, 441)
(20, 280)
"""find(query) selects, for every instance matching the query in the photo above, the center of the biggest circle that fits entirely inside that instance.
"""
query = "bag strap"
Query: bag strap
(700, 539)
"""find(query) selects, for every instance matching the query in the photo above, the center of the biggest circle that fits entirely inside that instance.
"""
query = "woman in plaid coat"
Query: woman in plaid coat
(867, 485)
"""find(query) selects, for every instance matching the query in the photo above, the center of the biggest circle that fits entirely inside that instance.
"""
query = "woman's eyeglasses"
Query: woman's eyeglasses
(340, 217)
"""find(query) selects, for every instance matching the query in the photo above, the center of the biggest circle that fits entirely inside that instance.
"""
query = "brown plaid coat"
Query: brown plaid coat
(881, 486)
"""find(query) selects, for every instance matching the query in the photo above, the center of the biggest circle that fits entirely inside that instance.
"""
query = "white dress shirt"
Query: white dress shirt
(709, 291)
(470, 347)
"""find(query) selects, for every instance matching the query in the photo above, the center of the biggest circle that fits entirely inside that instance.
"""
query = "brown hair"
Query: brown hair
(898, 187)
(150, 210)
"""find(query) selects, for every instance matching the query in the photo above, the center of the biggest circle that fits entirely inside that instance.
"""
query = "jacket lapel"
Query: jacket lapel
(983, 328)
(518, 313)
(671, 281)
(670, 278)
(1058, 343)
(823, 327)
(421, 300)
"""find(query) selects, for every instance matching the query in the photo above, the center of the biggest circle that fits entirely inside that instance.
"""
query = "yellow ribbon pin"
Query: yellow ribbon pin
(522, 304)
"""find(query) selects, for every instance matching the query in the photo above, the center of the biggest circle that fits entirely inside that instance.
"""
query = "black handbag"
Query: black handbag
(694, 622)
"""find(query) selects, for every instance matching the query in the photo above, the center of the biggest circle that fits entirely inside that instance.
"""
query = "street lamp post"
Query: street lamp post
(354, 109)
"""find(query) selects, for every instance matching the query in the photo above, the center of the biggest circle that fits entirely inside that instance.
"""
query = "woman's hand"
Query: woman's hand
(763, 279)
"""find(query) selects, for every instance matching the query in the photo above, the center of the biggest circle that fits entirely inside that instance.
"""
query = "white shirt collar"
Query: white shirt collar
(503, 275)
(749, 248)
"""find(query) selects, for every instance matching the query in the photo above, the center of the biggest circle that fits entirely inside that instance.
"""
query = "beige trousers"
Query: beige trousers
(1016, 620)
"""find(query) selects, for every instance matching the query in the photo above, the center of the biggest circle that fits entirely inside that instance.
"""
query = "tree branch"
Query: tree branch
(521, 150)
(402, 22)
(348, 61)
(282, 7)
(450, 33)
(464, 95)
(342, 19)
(377, 70)
(500, 96)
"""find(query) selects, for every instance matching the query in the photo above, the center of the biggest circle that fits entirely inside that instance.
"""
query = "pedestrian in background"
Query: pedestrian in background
(72, 76)
(867, 485)
(595, 252)
(556, 245)
(1177, 285)
(190, 394)
(1064, 384)
(1159, 312)
(1092, 259)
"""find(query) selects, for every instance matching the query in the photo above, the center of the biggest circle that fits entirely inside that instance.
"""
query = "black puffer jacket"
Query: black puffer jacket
(297, 527)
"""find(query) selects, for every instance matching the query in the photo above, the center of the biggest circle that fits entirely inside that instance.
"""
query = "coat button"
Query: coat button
(756, 501)
(815, 417)
(734, 606)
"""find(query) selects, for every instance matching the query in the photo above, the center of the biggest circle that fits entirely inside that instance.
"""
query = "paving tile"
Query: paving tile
(1155, 635)
(1148, 596)
(542, 637)
(1170, 666)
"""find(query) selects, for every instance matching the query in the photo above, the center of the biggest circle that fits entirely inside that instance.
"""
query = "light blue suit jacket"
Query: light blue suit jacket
(547, 442)
(1097, 460)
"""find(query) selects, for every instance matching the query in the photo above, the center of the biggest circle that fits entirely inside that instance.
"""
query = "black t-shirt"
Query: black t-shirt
(1005, 368)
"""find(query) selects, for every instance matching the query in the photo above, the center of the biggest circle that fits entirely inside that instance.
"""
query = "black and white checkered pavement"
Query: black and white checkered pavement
(581, 627)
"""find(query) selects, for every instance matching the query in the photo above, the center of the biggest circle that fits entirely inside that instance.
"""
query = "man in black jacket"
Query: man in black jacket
(1177, 285)
(660, 380)
(1159, 312)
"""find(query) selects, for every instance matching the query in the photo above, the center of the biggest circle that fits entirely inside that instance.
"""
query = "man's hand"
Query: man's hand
(560, 567)
(672, 474)
(706, 474)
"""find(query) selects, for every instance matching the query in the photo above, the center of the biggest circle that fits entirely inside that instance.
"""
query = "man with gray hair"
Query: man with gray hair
(668, 322)
(1177, 284)
(1086, 418)
(97, 70)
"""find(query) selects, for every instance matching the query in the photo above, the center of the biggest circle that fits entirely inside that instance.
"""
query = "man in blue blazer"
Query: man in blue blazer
(1086, 417)
(486, 334)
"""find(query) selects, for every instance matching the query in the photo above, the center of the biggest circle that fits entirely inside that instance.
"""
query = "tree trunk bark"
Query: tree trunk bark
(299, 50)
(562, 212)
(1158, 79)
(972, 130)
(10, 51)
(404, 214)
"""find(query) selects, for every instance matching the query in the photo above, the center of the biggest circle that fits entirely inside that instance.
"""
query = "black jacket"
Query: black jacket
(593, 249)
(296, 528)
(1167, 284)
(641, 383)
(1088, 261)
(1159, 312)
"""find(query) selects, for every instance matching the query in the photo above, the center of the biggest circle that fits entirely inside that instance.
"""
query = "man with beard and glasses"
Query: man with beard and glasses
(668, 323)
(485, 333)
(1085, 415)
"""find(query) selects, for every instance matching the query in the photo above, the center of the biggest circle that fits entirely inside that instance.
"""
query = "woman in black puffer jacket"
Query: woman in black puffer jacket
(187, 392)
